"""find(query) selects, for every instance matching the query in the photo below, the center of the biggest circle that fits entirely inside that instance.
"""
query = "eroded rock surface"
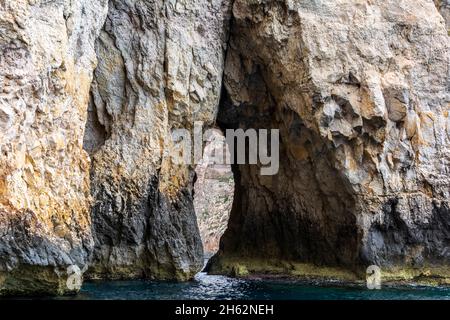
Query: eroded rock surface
(46, 61)
(214, 191)
(160, 68)
(359, 91)
(444, 8)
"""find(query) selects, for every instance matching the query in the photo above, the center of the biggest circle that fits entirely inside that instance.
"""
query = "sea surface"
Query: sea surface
(209, 287)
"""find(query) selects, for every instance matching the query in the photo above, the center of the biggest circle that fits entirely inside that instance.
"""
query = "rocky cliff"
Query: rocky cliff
(160, 68)
(46, 61)
(359, 91)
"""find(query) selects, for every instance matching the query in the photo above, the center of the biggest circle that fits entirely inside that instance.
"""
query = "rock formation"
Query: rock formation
(214, 190)
(359, 91)
(444, 8)
(160, 68)
(46, 61)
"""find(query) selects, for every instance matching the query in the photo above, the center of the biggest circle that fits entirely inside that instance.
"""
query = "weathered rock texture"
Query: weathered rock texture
(46, 61)
(444, 8)
(359, 91)
(161, 65)
(214, 190)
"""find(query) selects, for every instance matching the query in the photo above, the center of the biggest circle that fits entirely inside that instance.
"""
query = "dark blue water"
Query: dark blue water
(219, 287)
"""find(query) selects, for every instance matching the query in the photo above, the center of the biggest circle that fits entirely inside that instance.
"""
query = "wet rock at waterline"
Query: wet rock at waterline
(359, 91)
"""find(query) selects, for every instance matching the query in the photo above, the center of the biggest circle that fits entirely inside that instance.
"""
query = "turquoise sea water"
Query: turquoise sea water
(220, 287)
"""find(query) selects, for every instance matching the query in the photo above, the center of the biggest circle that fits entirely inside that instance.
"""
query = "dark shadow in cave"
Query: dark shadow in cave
(304, 214)
(214, 191)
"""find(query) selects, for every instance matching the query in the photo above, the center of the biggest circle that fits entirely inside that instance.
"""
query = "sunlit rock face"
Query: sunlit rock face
(359, 91)
(161, 65)
(46, 61)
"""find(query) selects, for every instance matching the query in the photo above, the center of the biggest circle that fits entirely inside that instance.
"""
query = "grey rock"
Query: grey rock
(160, 68)
(360, 94)
(358, 89)
(46, 62)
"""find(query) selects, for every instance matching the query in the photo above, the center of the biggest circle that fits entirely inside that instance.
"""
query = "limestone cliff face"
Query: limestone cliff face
(46, 61)
(359, 91)
(161, 65)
